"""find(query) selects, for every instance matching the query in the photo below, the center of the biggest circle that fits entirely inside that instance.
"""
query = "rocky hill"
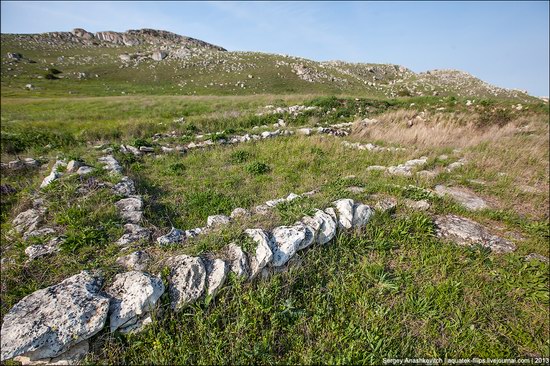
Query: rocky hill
(114, 63)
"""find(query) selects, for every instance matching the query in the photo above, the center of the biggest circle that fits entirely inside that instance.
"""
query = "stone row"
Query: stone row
(335, 130)
(176, 236)
(51, 322)
(19, 164)
(56, 322)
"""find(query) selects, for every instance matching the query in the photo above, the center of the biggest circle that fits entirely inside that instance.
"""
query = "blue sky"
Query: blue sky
(504, 43)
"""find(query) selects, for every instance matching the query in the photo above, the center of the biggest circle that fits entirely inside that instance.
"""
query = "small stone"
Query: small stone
(417, 205)
(41, 250)
(147, 149)
(217, 220)
(376, 168)
(130, 209)
(136, 261)
(354, 189)
(536, 257)
(125, 187)
(262, 209)
(29, 220)
(134, 233)
(84, 170)
(238, 261)
(173, 237)
(73, 166)
(239, 212)
(386, 205)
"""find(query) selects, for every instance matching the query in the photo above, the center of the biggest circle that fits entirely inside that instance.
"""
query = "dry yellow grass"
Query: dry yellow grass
(518, 151)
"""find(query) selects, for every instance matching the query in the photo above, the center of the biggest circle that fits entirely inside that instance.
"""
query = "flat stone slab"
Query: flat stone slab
(462, 196)
(466, 232)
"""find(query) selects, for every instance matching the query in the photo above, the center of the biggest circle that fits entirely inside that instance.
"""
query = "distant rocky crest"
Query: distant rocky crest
(133, 37)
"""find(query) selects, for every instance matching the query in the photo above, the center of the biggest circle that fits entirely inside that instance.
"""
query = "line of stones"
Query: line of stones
(69, 313)
(338, 130)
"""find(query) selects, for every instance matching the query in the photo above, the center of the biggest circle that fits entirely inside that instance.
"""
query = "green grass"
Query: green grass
(391, 291)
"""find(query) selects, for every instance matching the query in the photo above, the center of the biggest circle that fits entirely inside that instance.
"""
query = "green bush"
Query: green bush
(176, 168)
(141, 142)
(257, 168)
(239, 156)
(50, 76)
(499, 117)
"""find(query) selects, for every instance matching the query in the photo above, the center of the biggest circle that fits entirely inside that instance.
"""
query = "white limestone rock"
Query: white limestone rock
(173, 237)
(217, 220)
(125, 187)
(262, 255)
(216, 274)
(327, 231)
(238, 261)
(136, 261)
(50, 321)
(361, 215)
(133, 295)
(344, 207)
(29, 220)
(186, 281)
(466, 232)
(134, 233)
(239, 213)
(130, 209)
(285, 243)
(462, 196)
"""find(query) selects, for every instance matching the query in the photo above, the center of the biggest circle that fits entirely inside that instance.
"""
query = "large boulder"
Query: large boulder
(466, 232)
(186, 281)
(133, 296)
(263, 255)
(50, 321)
(286, 241)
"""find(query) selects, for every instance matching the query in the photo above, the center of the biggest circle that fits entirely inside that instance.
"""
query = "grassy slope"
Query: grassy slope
(393, 291)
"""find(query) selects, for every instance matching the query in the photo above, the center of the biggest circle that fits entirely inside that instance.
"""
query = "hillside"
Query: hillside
(158, 62)
(291, 212)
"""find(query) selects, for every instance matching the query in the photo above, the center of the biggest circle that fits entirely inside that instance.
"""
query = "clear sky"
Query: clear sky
(504, 43)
